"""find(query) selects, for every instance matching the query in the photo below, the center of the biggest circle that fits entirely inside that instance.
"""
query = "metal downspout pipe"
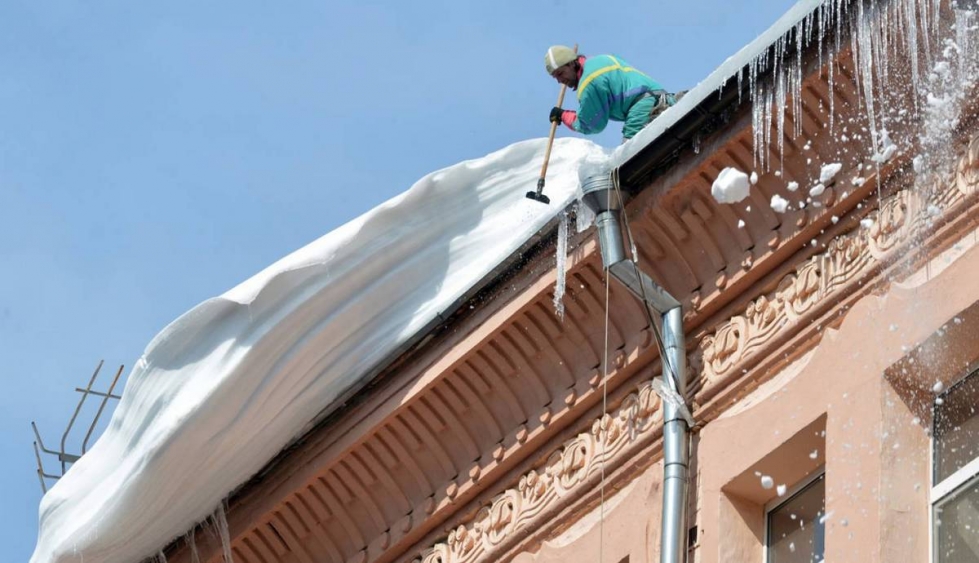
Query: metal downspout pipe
(600, 195)
(676, 448)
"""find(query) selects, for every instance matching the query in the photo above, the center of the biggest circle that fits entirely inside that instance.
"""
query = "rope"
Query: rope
(601, 421)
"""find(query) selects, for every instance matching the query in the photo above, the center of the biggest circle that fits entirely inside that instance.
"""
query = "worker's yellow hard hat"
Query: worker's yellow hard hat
(558, 56)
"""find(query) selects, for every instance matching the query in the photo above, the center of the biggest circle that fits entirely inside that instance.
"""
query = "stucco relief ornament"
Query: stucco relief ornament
(800, 292)
(437, 554)
(532, 486)
(498, 520)
(567, 467)
(739, 336)
(845, 257)
(636, 412)
(886, 232)
(606, 433)
(723, 348)
(462, 543)
(967, 176)
(764, 317)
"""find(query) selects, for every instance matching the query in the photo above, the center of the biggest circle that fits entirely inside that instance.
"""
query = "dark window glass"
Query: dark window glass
(796, 531)
(956, 429)
(957, 526)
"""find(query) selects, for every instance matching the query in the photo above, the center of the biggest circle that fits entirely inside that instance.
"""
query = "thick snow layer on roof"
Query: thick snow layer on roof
(221, 390)
(721, 77)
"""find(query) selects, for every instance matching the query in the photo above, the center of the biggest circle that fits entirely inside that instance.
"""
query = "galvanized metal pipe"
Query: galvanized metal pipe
(676, 447)
(610, 238)
(602, 198)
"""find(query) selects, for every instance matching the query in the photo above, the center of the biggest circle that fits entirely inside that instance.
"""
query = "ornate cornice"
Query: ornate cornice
(732, 349)
(907, 216)
(561, 476)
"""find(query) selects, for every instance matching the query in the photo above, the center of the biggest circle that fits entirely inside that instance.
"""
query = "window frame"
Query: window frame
(779, 501)
(962, 478)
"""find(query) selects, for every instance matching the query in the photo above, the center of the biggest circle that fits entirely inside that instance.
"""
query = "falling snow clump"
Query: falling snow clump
(731, 186)
(887, 148)
(779, 203)
(829, 172)
(767, 482)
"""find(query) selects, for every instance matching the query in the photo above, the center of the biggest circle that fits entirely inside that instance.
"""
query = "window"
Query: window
(795, 526)
(955, 476)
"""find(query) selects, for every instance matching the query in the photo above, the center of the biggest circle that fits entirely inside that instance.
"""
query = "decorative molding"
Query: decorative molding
(560, 477)
(907, 215)
(903, 217)
(967, 172)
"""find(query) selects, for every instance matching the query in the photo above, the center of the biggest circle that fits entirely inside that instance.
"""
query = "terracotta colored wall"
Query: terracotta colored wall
(853, 401)
(875, 447)
(629, 532)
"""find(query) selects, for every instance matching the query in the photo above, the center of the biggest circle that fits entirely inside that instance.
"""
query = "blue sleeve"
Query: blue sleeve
(593, 109)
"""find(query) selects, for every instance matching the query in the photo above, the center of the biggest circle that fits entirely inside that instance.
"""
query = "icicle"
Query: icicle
(832, 96)
(923, 26)
(855, 51)
(191, 540)
(780, 103)
(221, 523)
(866, 70)
(876, 20)
(740, 82)
(911, 38)
(885, 45)
(757, 123)
(797, 87)
(769, 122)
(161, 557)
(756, 101)
(562, 256)
(935, 18)
(819, 35)
(584, 216)
(839, 23)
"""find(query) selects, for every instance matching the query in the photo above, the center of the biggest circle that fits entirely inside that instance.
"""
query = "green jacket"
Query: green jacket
(611, 89)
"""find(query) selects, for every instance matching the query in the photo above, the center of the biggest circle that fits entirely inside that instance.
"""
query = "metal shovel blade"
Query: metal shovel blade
(539, 195)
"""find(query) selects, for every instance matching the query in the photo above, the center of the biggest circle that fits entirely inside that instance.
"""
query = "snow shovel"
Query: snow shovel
(539, 195)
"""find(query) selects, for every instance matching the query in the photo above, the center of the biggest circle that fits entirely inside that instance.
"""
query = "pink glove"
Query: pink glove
(568, 117)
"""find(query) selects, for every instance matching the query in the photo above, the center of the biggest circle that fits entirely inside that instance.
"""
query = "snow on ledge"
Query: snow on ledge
(222, 389)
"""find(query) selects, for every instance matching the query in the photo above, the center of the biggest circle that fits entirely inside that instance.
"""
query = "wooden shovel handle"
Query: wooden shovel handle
(550, 138)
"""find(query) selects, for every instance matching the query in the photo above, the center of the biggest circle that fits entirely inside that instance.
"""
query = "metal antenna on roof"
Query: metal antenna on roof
(67, 459)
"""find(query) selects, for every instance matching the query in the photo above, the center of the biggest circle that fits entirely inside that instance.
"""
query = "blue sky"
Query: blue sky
(153, 155)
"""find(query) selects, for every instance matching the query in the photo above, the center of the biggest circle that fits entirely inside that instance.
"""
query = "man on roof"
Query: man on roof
(608, 89)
